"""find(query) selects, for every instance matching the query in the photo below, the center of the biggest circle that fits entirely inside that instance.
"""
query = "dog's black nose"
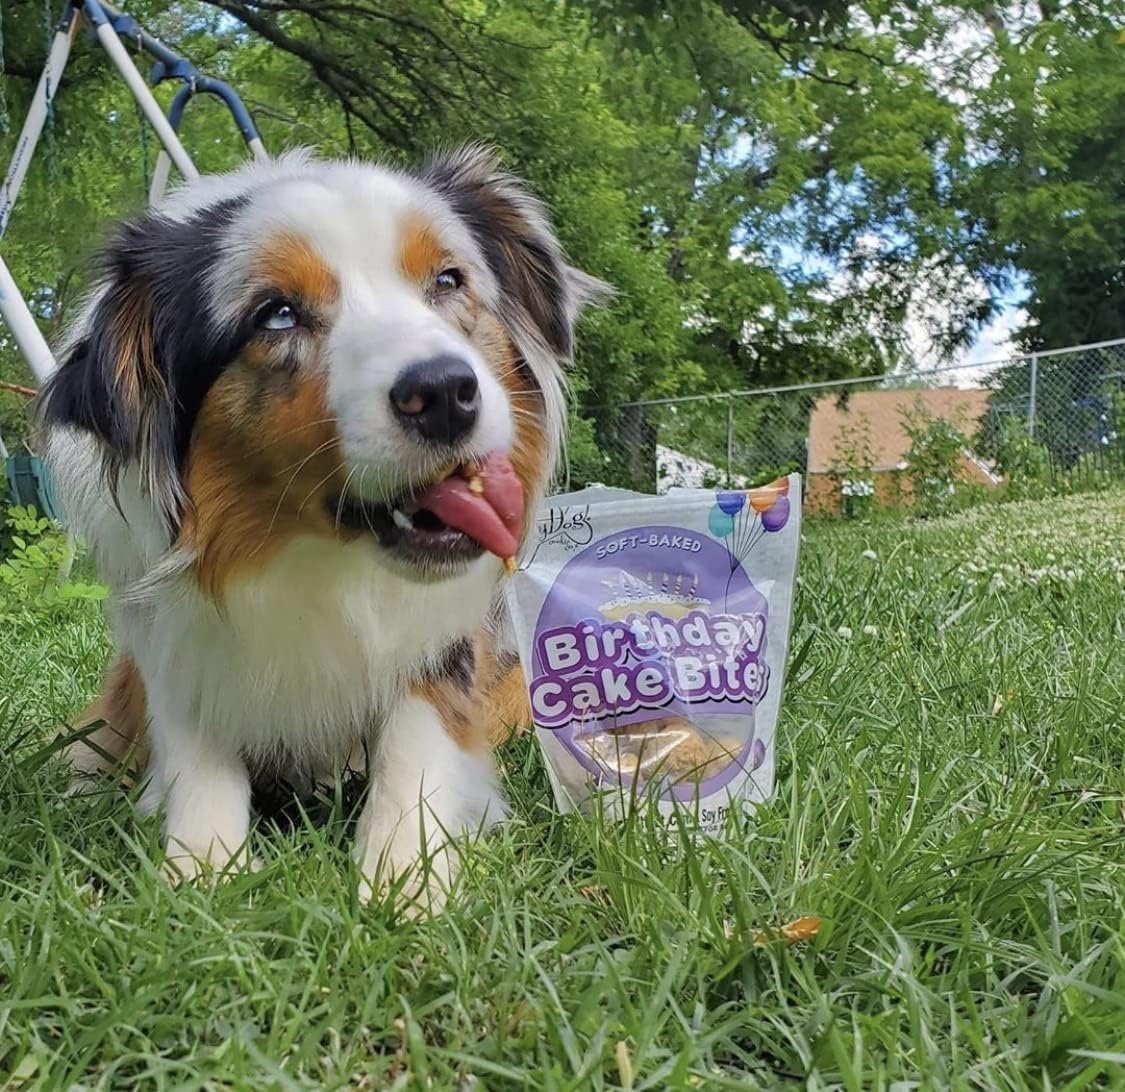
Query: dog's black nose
(437, 398)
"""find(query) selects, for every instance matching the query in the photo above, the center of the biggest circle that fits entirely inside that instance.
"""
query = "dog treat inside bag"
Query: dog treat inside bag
(653, 634)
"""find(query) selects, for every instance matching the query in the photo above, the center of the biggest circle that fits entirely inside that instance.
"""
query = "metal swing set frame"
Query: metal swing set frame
(110, 26)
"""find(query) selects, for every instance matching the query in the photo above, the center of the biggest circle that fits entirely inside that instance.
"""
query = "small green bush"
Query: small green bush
(933, 463)
(853, 468)
(1024, 461)
(35, 573)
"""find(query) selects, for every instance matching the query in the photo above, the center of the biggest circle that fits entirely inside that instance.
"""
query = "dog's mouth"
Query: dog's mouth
(471, 509)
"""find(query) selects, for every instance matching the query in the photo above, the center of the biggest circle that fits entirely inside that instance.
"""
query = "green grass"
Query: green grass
(951, 802)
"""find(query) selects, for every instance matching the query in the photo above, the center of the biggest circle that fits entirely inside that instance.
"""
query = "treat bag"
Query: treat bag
(653, 634)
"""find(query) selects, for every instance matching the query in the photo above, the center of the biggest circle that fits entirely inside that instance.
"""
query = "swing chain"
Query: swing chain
(4, 124)
(51, 149)
(145, 153)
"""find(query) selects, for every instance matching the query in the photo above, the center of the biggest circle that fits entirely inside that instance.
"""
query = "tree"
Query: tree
(773, 187)
(1045, 102)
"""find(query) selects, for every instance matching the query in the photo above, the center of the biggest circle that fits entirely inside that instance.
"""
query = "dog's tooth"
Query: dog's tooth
(510, 565)
(402, 520)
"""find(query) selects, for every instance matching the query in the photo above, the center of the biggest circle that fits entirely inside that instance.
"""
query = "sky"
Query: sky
(994, 342)
(992, 345)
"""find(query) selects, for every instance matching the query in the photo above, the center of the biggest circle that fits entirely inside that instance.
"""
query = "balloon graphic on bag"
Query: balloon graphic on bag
(762, 500)
(731, 503)
(777, 516)
(720, 523)
(757, 754)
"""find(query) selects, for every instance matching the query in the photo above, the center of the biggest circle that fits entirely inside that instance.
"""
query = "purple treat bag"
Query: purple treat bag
(653, 634)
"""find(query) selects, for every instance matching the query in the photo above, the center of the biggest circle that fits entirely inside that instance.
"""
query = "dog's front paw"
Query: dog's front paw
(426, 795)
(184, 865)
(419, 881)
(206, 799)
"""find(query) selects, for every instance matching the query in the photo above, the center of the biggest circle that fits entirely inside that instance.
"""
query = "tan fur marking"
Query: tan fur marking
(122, 705)
(420, 254)
(259, 473)
(136, 352)
(507, 709)
(460, 712)
(291, 265)
(494, 706)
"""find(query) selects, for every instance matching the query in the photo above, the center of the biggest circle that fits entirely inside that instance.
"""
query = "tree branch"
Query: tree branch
(333, 23)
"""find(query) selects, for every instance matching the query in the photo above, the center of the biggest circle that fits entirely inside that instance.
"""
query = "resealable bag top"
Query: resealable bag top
(653, 634)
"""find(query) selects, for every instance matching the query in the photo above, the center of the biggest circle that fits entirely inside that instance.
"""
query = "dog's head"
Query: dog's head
(331, 349)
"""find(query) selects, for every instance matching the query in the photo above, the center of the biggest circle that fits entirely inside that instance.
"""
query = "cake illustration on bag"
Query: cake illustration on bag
(674, 596)
(672, 747)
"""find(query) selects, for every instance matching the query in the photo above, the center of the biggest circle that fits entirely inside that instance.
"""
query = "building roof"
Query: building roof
(878, 417)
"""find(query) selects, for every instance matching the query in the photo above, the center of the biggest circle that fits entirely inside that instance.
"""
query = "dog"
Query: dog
(303, 417)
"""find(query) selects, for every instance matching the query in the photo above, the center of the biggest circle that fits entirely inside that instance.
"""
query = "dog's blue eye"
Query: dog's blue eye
(278, 315)
(449, 280)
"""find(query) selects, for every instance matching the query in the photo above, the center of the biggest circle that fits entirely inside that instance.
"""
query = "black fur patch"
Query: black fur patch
(455, 664)
(512, 231)
(506, 660)
(157, 267)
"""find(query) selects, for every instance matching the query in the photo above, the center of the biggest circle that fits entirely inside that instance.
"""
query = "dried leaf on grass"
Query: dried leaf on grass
(802, 929)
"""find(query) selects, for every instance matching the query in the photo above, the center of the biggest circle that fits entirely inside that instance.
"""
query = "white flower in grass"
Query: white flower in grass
(845, 632)
(871, 631)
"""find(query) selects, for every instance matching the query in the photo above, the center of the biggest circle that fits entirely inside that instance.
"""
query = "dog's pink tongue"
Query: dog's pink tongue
(486, 505)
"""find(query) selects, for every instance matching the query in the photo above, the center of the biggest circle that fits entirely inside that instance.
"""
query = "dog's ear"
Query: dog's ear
(143, 356)
(542, 296)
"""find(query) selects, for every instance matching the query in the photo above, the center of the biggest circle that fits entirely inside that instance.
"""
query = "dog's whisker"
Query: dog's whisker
(526, 415)
(312, 454)
(291, 432)
(362, 505)
(309, 495)
(281, 500)
(343, 494)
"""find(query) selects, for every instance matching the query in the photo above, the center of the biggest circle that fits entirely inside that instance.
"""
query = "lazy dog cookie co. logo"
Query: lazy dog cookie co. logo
(675, 624)
(568, 526)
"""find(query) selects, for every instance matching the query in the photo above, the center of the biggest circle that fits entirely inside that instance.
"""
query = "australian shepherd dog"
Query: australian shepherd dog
(303, 419)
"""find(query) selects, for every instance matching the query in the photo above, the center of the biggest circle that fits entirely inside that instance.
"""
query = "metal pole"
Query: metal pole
(196, 84)
(107, 36)
(29, 338)
(164, 167)
(1032, 394)
(37, 114)
(730, 441)
(159, 179)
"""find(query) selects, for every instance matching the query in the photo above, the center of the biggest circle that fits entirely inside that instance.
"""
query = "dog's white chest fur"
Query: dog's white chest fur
(306, 653)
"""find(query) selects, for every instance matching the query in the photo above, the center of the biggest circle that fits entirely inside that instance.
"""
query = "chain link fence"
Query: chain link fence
(1046, 421)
